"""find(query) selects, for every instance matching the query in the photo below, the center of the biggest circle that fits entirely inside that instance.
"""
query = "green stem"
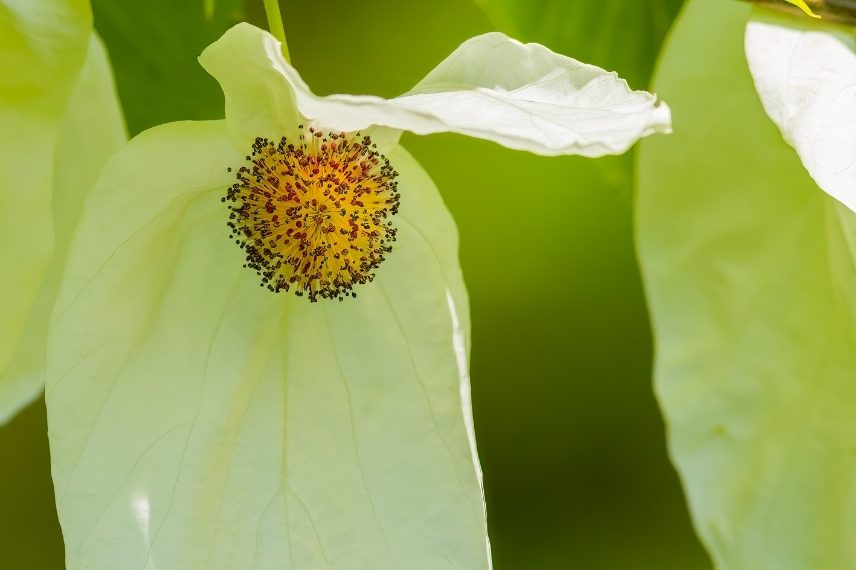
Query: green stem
(275, 24)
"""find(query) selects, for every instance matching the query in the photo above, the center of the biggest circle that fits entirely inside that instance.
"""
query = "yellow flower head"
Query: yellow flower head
(313, 216)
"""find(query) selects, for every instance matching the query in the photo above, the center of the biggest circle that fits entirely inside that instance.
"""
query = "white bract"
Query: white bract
(805, 74)
(199, 421)
(522, 96)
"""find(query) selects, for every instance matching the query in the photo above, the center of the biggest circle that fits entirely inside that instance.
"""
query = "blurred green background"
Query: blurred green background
(570, 438)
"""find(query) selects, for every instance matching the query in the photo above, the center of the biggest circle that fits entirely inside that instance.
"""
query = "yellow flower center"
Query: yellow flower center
(313, 216)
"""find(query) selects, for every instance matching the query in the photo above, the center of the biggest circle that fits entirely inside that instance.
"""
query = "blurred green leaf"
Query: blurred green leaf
(752, 283)
(43, 47)
(618, 35)
(90, 131)
(154, 46)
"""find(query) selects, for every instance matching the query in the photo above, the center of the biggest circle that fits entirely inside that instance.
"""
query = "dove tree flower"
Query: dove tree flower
(198, 420)
(60, 121)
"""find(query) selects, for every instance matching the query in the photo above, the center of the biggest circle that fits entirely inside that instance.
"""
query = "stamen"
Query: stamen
(313, 216)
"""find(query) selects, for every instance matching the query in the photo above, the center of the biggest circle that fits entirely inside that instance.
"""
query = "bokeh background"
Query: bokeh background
(570, 437)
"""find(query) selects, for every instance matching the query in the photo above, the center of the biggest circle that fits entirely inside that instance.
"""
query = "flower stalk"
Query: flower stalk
(274, 18)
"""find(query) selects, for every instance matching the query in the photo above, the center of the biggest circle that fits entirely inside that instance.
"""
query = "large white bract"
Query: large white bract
(805, 74)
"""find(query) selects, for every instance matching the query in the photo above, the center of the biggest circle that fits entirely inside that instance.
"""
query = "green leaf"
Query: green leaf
(198, 421)
(154, 45)
(751, 276)
(613, 34)
(91, 130)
